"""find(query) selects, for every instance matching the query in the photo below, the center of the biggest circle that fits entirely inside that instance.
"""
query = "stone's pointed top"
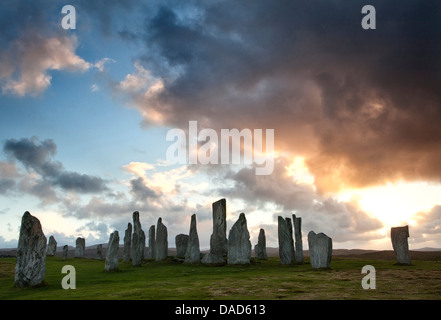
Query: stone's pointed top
(160, 220)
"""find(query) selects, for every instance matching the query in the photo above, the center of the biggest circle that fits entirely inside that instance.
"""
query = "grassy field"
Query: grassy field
(260, 280)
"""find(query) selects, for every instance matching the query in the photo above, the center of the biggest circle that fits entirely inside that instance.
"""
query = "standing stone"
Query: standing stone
(239, 244)
(30, 267)
(161, 241)
(52, 246)
(298, 238)
(127, 243)
(193, 253)
(320, 250)
(151, 254)
(181, 241)
(218, 239)
(399, 237)
(99, 252)
(80, 247)
(138, 241)
(65, 251)
(285, 238)
(112, 252)
(260, 247)
(291, 240)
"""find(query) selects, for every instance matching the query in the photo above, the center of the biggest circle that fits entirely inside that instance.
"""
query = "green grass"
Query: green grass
(260, 280)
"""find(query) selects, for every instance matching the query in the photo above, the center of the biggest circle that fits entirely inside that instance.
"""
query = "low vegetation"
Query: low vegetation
(260, 280)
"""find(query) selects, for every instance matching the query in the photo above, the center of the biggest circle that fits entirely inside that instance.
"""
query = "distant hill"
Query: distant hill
(417, 254)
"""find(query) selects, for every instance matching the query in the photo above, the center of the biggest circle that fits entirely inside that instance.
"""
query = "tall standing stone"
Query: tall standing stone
(99, 252)
(193, 253)
(320, 250)
(52, 246)
(161, 241)
(127, 243)
(218, 239)
(151, 254)
(80, 247)
(298, 237)
(239, 244)
(291, 240)
(181, 241)
(65, 251)
(400, 245)
(30, 267)
(260, 247)
(285, 239)
(112, 252)
(138, 241)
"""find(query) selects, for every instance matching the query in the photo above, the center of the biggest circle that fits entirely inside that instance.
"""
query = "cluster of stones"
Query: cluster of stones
(32, 248)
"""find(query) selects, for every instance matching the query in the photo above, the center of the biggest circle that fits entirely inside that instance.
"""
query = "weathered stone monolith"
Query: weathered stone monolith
(239, 244)
(161, 241)
(320, 250)
(80, 247)
(138, 241)
(99, 252)
(193, 253)
(30, 267)
(112, 252)
(400, 245)
(218, 239)
(285, 238)
(52, 246)
(151, 253)
(298, 238)
(127, 250)
(291, 240)
(181, 241)
(260, 247)
(65, 251)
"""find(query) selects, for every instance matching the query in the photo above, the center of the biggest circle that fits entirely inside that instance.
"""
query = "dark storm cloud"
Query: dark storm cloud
(37, 156)
(140, 191)
(362, 106)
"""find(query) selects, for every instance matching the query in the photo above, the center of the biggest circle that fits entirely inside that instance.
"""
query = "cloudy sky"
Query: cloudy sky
(84, 115)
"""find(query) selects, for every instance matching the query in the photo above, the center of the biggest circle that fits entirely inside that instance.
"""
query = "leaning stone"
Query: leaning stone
(52, 246)
(298, 238)
(151, 254)
(112, 252)
(181, 241)
(285, 250)
(193, 253)
(260, 247)
(127, 243)
(30, 267)
(99, 252)
(80, 247)
(161, 241)
(320, 250)
(65, 251)
(400, 245)
(239, 245)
